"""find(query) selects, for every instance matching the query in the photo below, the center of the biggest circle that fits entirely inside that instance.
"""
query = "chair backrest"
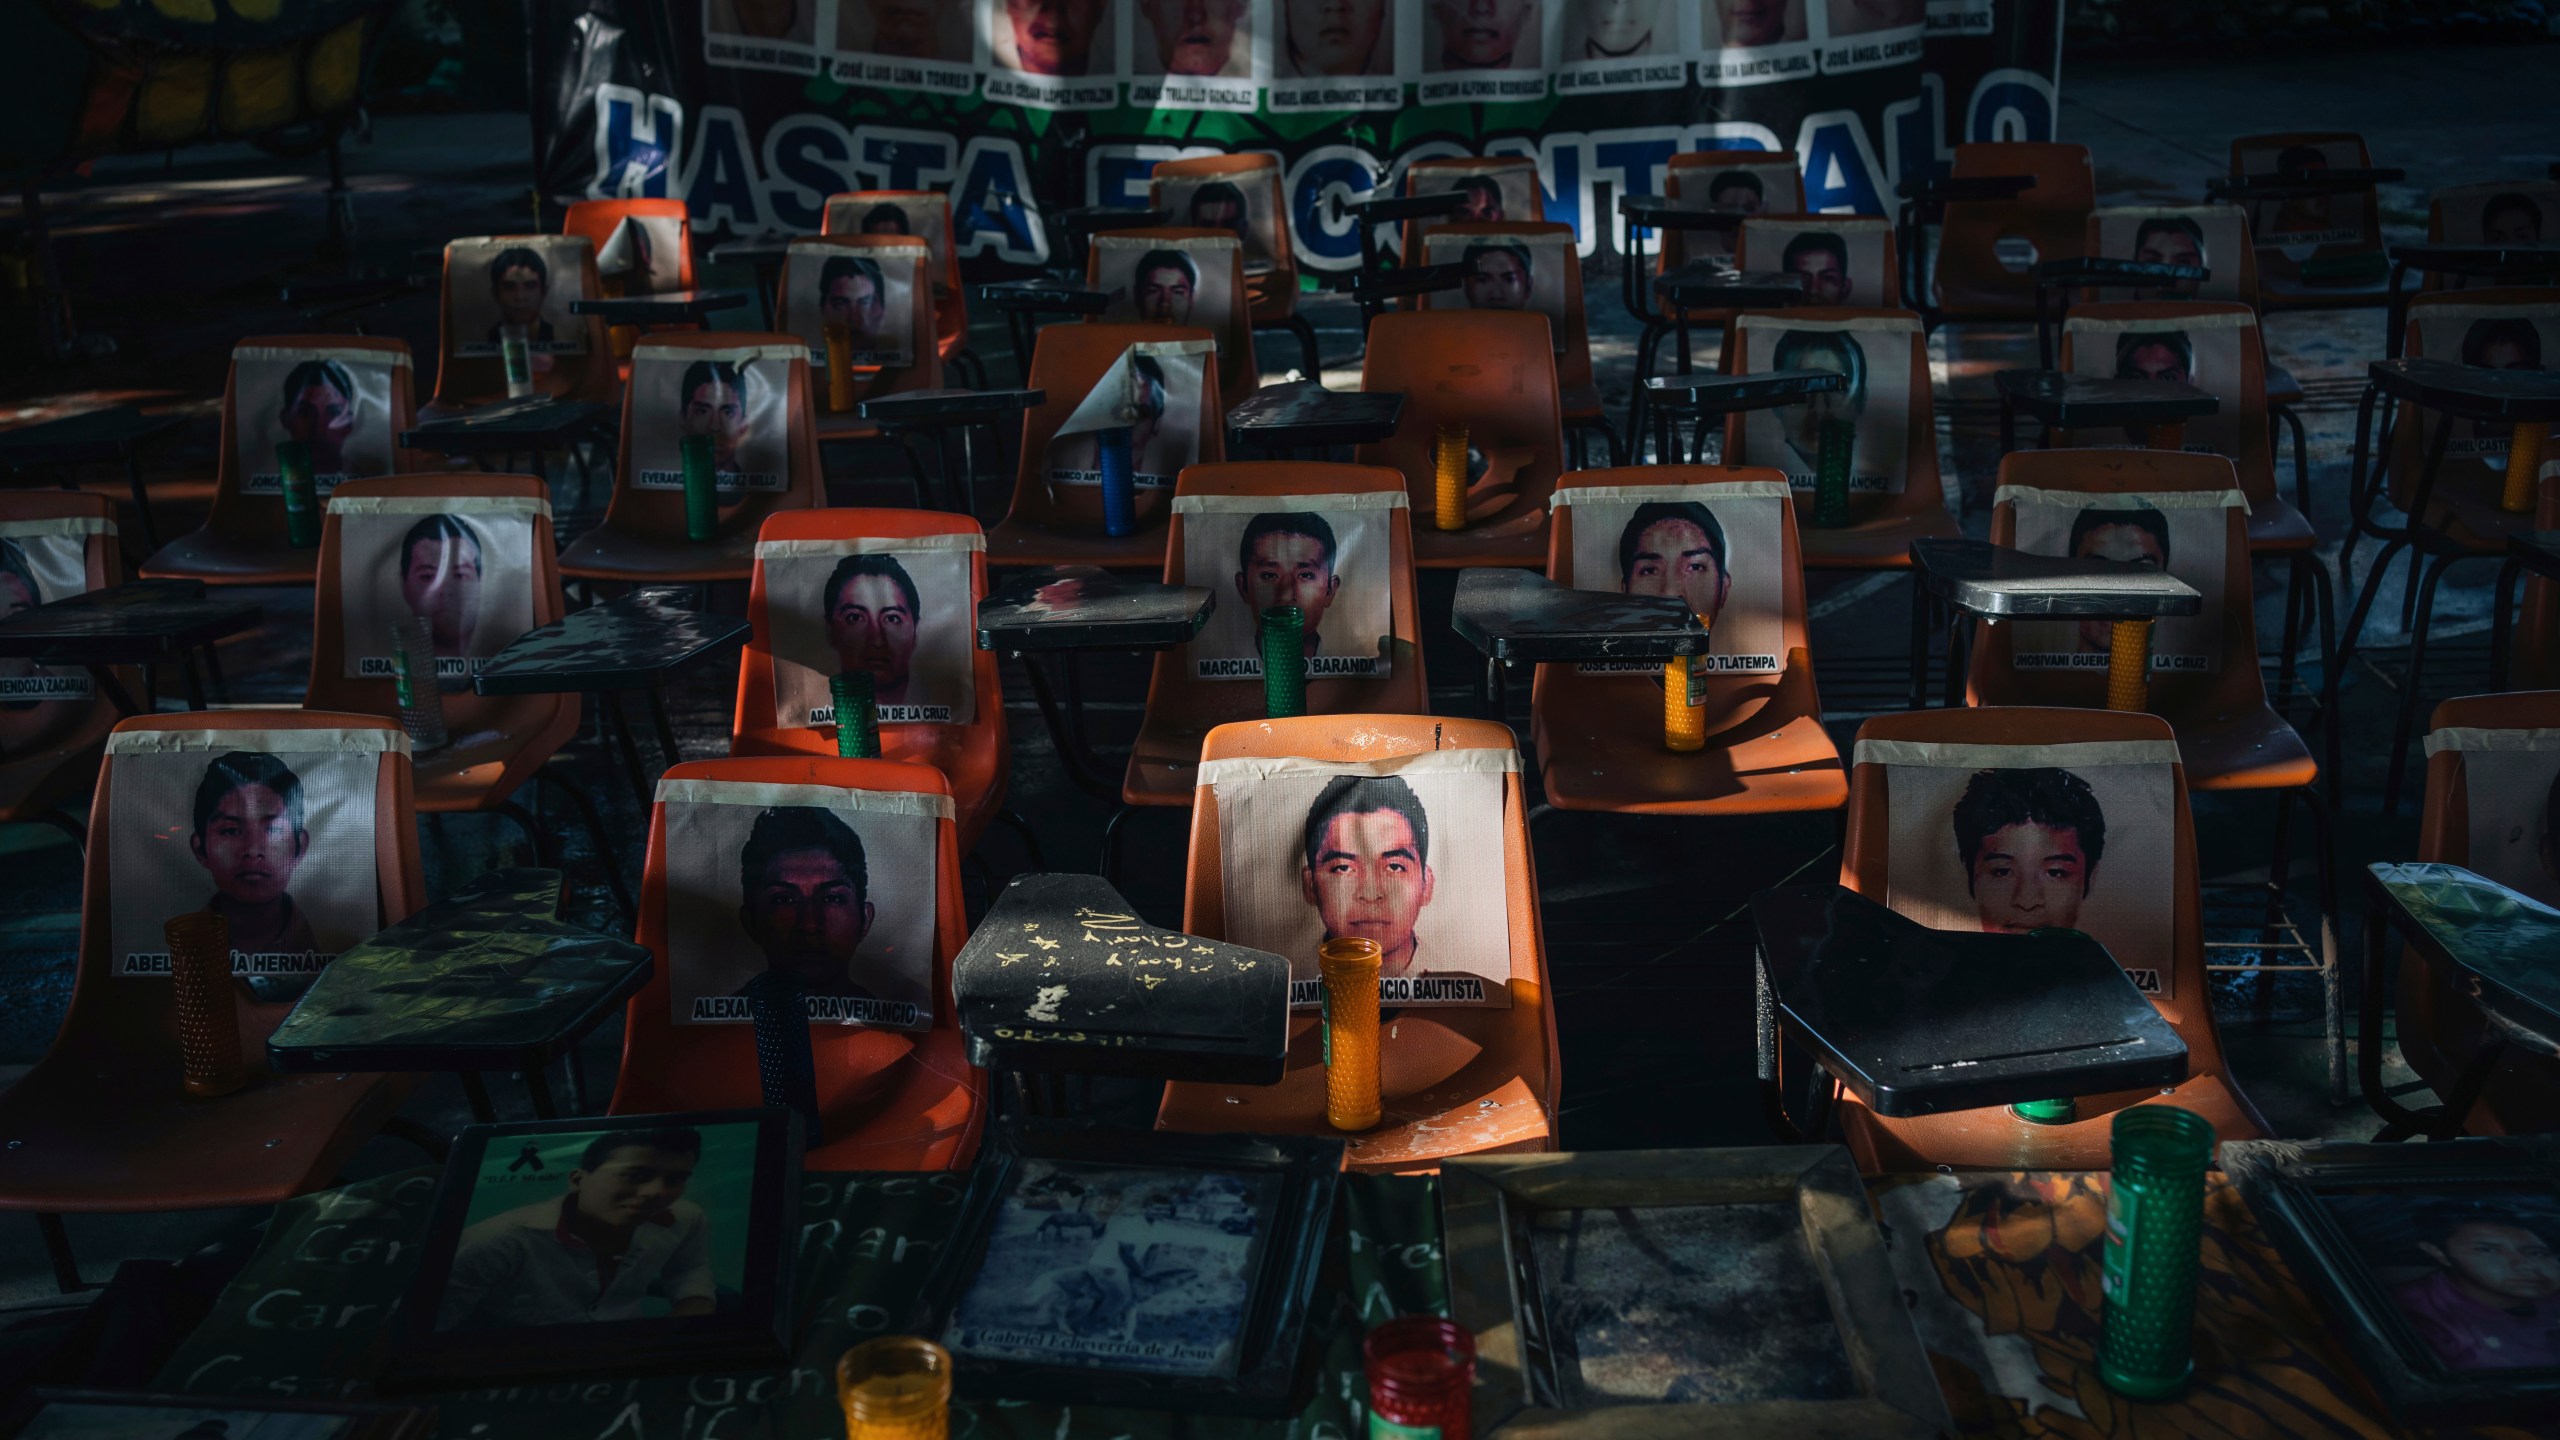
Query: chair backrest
(925, 214)
(2214, 347)
(1499, 188)
(926, 666)
(2181, 512)
(2507, 327)
(1551, 283)
(1894, 470)
(750, 390)
(489, 279)
(347, 396)
(1988, 249)
(875, 280)
(309, 843)
(1186, 276)
(2324, 227)
(1639, 530)
(1493, 372)
(2104, 798)
(654, 255)
(874, 983)
(1088, 372)
(1844, 259)
(2213, 236)
(54, 544)
(1767, 181)
(1240, 193)
(471, 553)
(2499, 212)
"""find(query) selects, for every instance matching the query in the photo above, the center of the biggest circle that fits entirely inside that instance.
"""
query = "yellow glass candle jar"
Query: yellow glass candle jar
(1350, 969)
(897, 1387)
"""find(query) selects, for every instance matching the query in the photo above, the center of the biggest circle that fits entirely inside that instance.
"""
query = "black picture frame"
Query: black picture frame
(1297, 1177)
(755, 1335)
(365, 1420)
(2290, 1186)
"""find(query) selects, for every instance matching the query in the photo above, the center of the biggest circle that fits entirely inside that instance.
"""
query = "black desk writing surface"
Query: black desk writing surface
(1305, 414)
(1765, 390)
(673, 308)
(2538, 551)
(1981, 578)
(926, 408)
(1377, 285)
(1517, 615)
(1918, 1021)
(2491, 261)
(1965, 189)
(1380, 209)
(2508, 941)
(1704, 285)
(1084, 607)
(1062, 975)
(1070, 297)
(631, 640)
(1666, 214)
(2113, 270)
(2301, 184)
(2073, 401)
(537, 423)
(2473, 392)
(136, 623)
(90, 437)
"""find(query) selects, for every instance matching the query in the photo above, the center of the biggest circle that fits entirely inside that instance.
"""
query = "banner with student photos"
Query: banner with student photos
(1875, 353)
(900, 608)
(271, 829)
(1842, 257)
(872, 292)
(464, 564)
(2203, 350)
(2494, 337)
(1405, 851)
(1329, 555)
(2184, 532)
(739, 397)
(2213, 236)
(1771, 184)
(2007, 839)
(2511, 789)
(1155, 390)
(42, 561)
(1716, 548)
(833, 888)
(338, 401)
(1240, 201)
(492, 281)
(645, 253)
(1522, 270)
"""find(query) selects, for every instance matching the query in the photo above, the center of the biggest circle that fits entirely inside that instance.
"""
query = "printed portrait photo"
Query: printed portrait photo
(2203, 351)
(527, 280)
(1328, 560)
(933, 30)
(871, 295)
(1866, 17)
(2155, 532)
(2506, 212)
(918, 214)
(41, 561)
(1507, 272)
(634, 1222)
(2512, 793)
(1191, 37)
(1053, 54)
(2011, 850)
(2203, 235)
(1460, 35)
(740, 399)
(338, 402)
(1410, 859)
(2475, 1272)
(1752, 24)
(1842, 258)
(832, 889)
(1876, 358)
(279, 843)
(1335, 39)
(101, 1420)
(900, 613)
(1172, 282)
(791, 21)
(1486, 196)
(1241, 205)
(464, 567)
(2303, 222)
(1117, 1266)
(1715, 548)
(1749, 187)
(1603, 31)
(645, 254)
(2494, 337)
(1153, 392)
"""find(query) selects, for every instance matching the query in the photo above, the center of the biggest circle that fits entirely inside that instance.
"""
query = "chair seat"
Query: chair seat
(2252, 750)
(839, 429)
(1272, 296)
(1164, 761)
(1582, 404)
(218, 559)
(1517, 537)
(918, 1104)
(1015, 543)
(2284, 388)
(973, 758)
(1883, 543)
(1995, 1139)
(479, 770)
(1599, 742)
(2276, 527)
(629, 557)
(2464, 514)
(1454, 1082)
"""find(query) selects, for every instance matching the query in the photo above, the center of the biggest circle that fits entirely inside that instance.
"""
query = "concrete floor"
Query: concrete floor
(1649, 952)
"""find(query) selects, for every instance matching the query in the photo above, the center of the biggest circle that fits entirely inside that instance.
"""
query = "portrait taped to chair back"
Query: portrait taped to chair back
(895, 212)
(2492, 337)
(1173, 282)
(1773, 185)
(2186, 533)
(831, 888)
(898, 608)
(2010, 839)
(1326, 554)
(1875, 355)
(1604, 45)
(645, 254)
(42, 561)
(740, 398)
(905, 45)
(493, 281)
(338, 402)
(2212, 236)
(1407, 852)
(1840, 257)
(273, 830)
(2511, 789)
(873, 294)
(2504, 212)
(1154, 392)
(1754, 42)
(1717, 548)
(1051, 54)
(1508, 272)
(2300, 224)
(1487, 195)
(2202, 350)
(1242, 204)
(463, 565)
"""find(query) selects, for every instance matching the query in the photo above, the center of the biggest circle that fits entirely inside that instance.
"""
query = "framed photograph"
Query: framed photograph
(1155, 1271)
(122, 1415)
(1676, 1292)
(2439, 1266)
(696, 1211)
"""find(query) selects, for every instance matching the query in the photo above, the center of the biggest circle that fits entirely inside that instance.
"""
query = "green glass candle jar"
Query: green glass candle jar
(2155, 1236)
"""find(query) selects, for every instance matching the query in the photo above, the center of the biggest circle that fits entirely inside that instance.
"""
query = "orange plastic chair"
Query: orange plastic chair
(642, 537)
(924, 374)
(1973, 280)
(2283, 279)
(49, 750)
(102, 1125)
(1599, 737)
(1882, 527)
(598, 219)
(891, 1099)
(1239, 374)
(1456, 1082)
(463, 381)
(1064, 526)
(1494, 372)
(974, 758)
(1995, 1138)
(2218, 234)
(2500, 212)
(1272, 293)
(2533, 649)
(1182, 709)
(242, 540)
(844, 212)
(1576, 394)
(1453, 172)
(2463, 509)
(1874, 275)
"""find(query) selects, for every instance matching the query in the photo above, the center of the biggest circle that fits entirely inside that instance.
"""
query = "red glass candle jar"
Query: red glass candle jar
(1421, 1372)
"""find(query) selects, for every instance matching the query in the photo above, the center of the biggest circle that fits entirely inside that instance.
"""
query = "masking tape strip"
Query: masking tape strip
(822, 797)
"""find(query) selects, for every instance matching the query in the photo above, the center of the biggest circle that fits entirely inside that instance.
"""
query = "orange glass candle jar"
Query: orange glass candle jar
(897, 1387)
(1350, 966)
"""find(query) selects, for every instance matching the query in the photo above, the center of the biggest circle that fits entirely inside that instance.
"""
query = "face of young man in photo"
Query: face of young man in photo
(2171, 247)
(1053, 37)
(1335, 37)
(321, 418)
(1736, 196)
(1497, 281)
(1746, 23)
(2129, 543)
(1369, 883)
(1826, 276)
(2503, 1265)
(2027, 875)
(631, 1184)
(441, 584)
(1289, 569)
(717, 410)
(2156, 362)
(1674, 559)
(903, 27)
(1619, 26)
(2504, 355)
(853, 301)
(1218, 214)
(2510, 225)
(1482, 34)
(1193, 37)
(1482, 204)
(807, 917)
(250, 846)
(1164, 296)
(519, 290)
(871, 627)
(1804, 422)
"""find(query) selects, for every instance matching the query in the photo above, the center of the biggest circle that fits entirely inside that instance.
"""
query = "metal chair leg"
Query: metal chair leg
(532, 830)
(594, 823)
(1111, 840)
(57, 1248)
(2333, 980)
(2409, 693)
(1013, 821)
